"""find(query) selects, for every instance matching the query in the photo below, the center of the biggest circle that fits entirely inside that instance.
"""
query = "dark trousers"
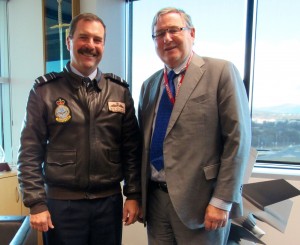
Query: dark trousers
(85, 222)
(165, 228)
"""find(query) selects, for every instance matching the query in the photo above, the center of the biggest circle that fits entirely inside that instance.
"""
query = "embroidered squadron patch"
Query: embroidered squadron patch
(116, 107)
(62, 111)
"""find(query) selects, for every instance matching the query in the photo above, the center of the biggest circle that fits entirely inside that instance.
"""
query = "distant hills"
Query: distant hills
(279, 112)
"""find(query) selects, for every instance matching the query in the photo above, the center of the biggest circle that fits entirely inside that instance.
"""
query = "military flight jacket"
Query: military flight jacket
(78, 142)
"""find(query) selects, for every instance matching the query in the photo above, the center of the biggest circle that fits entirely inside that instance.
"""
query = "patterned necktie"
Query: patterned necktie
(161, 123)
(87, 82)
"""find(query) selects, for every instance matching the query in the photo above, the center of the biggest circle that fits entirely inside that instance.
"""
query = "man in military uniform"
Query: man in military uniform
(80, 139)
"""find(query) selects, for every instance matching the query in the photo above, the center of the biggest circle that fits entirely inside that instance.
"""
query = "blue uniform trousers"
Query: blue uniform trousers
(85, 222)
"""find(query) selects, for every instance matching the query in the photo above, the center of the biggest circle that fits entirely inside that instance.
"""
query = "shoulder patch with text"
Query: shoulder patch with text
(116, 107)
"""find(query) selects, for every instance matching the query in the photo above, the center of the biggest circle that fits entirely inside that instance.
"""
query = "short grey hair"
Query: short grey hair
(184, 15)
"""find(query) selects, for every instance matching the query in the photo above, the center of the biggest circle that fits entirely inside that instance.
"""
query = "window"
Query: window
(220, 32)
(276, 86)
(5, 122)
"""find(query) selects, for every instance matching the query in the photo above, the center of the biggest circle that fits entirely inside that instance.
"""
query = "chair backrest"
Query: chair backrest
(25, 235)
(9, 225)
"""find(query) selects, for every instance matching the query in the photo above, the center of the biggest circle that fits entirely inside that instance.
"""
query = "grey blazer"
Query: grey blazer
(208, 138)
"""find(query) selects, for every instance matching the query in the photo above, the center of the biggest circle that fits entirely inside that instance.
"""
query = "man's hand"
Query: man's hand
(41, 221)
(215, 218)
(130, 211)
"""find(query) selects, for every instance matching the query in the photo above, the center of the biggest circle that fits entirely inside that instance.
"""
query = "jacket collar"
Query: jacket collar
(76, 80)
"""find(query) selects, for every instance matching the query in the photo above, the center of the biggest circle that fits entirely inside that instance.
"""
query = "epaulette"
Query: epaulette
(114, 78)
(45, 78)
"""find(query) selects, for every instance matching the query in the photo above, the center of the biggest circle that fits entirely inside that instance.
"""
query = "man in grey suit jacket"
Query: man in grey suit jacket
(191, 198)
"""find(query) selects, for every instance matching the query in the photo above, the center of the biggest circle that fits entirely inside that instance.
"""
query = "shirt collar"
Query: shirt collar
(181, 67)
(91, 76)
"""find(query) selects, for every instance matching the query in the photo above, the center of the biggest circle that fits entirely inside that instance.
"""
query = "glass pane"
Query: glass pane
(276, 89)
(220, 32)
(5, 119)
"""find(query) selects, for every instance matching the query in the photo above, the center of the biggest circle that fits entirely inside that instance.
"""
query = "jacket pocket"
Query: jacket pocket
(60, 167)
(61, 157)
(211, 171)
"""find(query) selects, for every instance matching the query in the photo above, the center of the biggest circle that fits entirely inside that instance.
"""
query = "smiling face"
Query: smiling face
(86, 46)
(173, 49)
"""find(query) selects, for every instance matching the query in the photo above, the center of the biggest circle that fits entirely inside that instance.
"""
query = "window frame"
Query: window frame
(5, 103)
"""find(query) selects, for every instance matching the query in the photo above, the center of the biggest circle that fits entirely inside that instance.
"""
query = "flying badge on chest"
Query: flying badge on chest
(116, 107)
(62, 111)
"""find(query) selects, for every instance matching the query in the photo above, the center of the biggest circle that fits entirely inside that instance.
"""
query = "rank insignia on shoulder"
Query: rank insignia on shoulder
(114, 78)
(117, 107)
(62, 111)
(46, 78)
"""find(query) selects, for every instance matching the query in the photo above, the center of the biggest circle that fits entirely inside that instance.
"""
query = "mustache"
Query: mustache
(88, 51)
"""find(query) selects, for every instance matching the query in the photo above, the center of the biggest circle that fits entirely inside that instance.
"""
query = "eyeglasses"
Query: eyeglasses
(172, 31)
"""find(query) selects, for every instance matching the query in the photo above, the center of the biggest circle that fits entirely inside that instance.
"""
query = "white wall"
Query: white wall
(113, 14)
(26, 61)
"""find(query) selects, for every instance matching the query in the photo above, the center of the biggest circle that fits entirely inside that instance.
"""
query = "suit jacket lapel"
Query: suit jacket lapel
(191, 79)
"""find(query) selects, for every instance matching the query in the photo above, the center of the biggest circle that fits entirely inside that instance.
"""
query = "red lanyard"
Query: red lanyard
(166, 82)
